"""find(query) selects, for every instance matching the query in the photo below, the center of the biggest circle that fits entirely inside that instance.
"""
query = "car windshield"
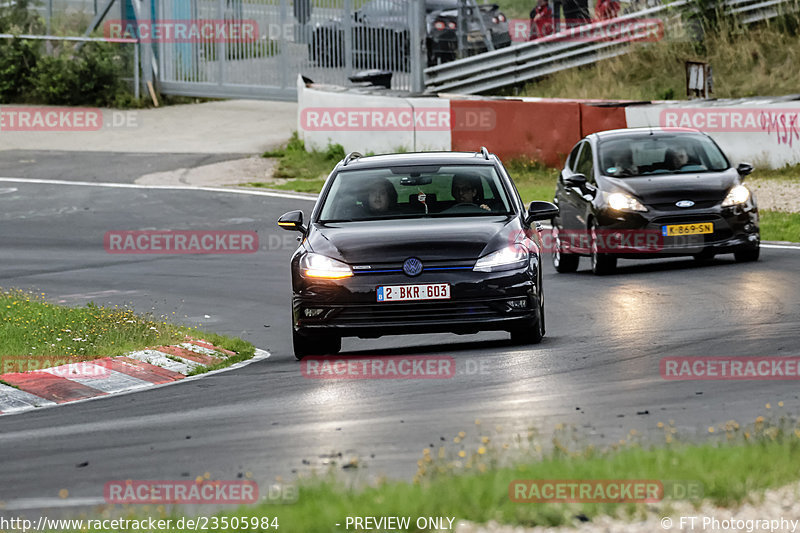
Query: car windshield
(622, 157)
(414, 192)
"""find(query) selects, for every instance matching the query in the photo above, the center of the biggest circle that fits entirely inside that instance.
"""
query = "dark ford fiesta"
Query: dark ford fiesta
(673, 184)
(416, 243)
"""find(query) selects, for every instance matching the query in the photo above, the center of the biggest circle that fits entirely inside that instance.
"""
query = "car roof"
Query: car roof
(418, 158)
(642, 132)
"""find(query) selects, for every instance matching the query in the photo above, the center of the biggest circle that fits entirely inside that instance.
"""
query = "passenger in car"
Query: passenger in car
(621, 164)
(468, 189)
(676, 158)
(381, 197)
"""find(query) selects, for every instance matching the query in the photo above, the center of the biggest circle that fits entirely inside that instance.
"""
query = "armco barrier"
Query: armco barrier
(543, 130)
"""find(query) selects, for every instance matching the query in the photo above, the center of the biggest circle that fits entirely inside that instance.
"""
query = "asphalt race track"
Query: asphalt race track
(597, 368)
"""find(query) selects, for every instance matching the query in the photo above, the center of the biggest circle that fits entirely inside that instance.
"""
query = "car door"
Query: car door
(582, 198)
(567, 197)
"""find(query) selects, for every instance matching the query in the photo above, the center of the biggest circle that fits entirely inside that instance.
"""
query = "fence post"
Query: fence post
(347, 27)
(418, 50)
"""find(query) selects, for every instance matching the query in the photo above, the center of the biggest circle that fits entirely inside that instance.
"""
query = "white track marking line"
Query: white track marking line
(160, 187)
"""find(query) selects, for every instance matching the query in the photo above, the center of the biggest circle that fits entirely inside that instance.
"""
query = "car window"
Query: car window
(412, 192)
(664, 153)
(573, 156)
(584, 165)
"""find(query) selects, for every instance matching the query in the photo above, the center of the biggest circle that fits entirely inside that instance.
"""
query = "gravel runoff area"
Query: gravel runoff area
(776, 194)
(778, 507)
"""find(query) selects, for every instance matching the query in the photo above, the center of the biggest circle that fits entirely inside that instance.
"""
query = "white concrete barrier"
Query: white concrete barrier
(365, 122)
(765, 132)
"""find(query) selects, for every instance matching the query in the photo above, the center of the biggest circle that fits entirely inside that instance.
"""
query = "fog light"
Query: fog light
(520, 303)
(311, 313)
(749, 228)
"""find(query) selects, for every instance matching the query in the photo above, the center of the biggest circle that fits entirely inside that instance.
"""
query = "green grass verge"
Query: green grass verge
(469, 478)
(34, 332)
(305, 170)
(779, 226)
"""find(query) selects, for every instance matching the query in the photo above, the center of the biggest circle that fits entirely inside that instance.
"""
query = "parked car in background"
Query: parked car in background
(674, 183)
(380, 34)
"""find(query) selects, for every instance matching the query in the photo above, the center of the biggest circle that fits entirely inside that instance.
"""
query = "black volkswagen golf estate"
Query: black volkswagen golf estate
(416, 243)
(673, 184)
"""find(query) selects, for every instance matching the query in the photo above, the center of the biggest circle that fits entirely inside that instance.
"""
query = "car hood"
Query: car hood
(430, 239)
(669, 188)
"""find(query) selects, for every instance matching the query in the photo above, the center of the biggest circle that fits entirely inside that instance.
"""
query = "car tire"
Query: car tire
(747, 255)
(530, 333)
(305, 345)
(563, 263)
(602, 264)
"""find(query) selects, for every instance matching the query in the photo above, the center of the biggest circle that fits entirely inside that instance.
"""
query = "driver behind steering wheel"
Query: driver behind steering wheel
(468, 189)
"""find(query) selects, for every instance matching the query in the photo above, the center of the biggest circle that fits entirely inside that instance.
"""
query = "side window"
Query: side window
(573, 156)
(584, 165)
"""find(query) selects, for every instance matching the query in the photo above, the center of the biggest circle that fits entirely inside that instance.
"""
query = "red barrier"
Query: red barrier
(600, 118)
(542, 131)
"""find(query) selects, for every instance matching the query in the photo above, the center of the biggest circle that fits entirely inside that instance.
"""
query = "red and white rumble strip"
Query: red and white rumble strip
(109, 375)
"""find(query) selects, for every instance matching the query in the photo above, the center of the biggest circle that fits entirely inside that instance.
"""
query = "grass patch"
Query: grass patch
(37, 331)
(787, 172)
(779, 226)
(534, 180)
(305, 171)
(470, 477)
(655, 71)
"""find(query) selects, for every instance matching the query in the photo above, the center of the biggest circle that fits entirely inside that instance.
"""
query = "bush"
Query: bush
(17, 61)
(91, 76)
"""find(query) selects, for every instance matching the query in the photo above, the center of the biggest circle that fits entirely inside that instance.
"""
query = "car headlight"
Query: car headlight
(319, 266)
(738, 195)
(624, 202)
(513, 256)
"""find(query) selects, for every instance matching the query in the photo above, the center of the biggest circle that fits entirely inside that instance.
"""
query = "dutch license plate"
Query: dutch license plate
(676, 230)
(405, 293)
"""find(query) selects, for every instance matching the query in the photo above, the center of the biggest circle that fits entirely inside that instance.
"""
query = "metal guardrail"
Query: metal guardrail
(528, 61)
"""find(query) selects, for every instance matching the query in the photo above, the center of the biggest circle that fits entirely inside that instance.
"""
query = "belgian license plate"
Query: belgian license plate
(698, 228)
(405, 293)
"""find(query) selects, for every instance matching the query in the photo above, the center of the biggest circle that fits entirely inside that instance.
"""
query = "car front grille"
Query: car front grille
(415, 312)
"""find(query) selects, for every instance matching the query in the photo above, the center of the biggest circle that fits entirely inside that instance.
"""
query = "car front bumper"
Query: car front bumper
(735, 228)
(478, 301)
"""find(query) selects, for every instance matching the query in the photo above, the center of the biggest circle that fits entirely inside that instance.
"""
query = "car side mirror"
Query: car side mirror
(744, 169)
(576, 180)
(541, 211)
(293, 220)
